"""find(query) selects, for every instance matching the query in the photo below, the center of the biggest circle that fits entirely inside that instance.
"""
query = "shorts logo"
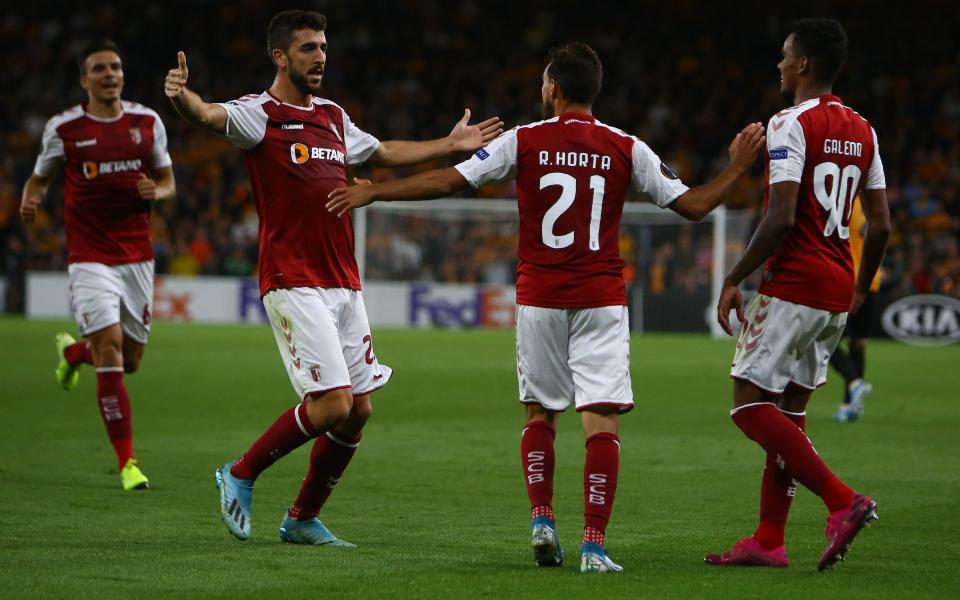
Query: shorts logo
(301, 153)
(482, 154)
(146, 314)
(778, 154)
(135, 135)
(315, 372)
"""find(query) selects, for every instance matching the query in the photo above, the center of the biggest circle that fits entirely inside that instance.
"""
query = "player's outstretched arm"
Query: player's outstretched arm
(33, 192)
(696, 203)
(424, 186)
(877, 213)
(188, 104)
(774, 227)
(463, 138)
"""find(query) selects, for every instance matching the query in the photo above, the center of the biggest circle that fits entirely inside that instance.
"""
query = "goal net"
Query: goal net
(674, 268)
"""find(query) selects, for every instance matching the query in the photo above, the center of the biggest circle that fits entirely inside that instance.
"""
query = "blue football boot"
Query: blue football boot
(236, 497)
(309, 531)
(546, 545)
(594, 559)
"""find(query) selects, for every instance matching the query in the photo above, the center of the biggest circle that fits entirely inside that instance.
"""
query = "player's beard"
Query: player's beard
(299, 81)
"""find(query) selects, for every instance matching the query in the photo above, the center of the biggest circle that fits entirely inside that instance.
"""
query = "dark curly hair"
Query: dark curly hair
(576, 67)
(824, 42)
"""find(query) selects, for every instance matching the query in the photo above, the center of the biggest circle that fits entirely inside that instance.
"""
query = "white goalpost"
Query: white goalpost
(675, 268)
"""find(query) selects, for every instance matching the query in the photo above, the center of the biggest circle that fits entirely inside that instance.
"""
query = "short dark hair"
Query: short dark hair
(92, 48)
(577, 69)
(824, 41)
(283, 24)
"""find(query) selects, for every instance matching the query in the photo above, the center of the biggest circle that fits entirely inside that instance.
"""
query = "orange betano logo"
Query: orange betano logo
(299, 153)
(90, 169)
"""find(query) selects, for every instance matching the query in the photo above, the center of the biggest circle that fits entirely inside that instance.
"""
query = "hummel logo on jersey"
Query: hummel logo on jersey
(292, 126)
(85, 143)
(778, 154)
(301, 153)
(92, 169)
(482, 154)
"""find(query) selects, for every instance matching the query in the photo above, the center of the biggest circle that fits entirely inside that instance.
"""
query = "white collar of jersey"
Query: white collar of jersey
(303, 108)
(104, 119)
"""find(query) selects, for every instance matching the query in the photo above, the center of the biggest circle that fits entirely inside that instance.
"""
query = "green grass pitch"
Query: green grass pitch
(434, 497)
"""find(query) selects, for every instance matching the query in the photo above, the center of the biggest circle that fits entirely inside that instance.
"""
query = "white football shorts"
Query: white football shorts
(781, 343)
(104, 295)
(579, 355)
(324, 340)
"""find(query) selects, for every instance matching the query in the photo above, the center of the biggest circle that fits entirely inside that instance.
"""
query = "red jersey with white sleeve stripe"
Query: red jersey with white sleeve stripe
(832, 152)
(573, 173)
(295, 157)
(106, 219)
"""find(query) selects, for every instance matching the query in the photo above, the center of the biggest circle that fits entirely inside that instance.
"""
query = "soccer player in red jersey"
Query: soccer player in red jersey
(821, 154)
(573, 173)
(296, 146)
(114, 157)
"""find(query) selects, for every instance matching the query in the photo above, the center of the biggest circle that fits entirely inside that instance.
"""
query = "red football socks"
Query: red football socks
(78, 353)
(600, 472)
(542, 511)
(329, 458)
(777, 489)
(779, 436)
(115, 410)
(537, 458)
(593, 536)
(291, 430)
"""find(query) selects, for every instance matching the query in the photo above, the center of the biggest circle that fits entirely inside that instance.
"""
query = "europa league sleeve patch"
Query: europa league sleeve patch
(667, 171)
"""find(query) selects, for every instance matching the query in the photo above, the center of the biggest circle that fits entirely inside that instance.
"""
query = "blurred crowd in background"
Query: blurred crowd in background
(684, 76)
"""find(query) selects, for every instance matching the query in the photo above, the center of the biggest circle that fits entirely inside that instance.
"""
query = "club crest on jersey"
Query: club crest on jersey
(482, 154)
(136, 135)
(778, 154)
(667, 171)
(93, 169)
(301, 153)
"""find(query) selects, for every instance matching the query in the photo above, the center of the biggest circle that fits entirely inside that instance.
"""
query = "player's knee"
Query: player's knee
(362, 410)
(858, 344)
(331, 408)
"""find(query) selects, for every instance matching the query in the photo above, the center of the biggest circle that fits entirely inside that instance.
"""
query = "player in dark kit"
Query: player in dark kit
(821, 154)
(296, 146)
(573, 173)
(114, 157)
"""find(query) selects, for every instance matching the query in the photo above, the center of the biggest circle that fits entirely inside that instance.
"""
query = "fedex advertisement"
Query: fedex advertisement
(237, 300)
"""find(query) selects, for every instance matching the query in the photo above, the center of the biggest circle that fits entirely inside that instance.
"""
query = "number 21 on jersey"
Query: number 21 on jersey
(568, 193)
(838, 199)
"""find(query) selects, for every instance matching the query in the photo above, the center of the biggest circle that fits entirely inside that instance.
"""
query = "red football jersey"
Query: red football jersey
(572, 175)
(106, 219)
(295, 157)
(832, 152)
